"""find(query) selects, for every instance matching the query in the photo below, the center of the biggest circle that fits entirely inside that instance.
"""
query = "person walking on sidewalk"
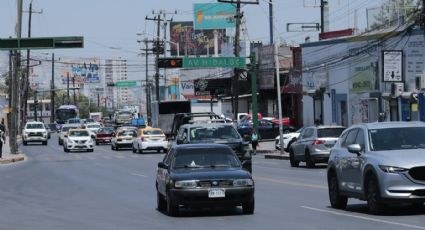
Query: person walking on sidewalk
(254, 141)
(2, 137)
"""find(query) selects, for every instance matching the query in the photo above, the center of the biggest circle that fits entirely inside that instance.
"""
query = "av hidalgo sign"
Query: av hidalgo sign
(214, 62)
(214, 15)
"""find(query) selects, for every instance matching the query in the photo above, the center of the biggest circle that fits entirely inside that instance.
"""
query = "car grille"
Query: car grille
(419, 192)
(80, 142)
(418, 173)
(37, 134)
(215, 183)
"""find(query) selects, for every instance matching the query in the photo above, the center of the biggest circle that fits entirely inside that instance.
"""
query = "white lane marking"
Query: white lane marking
(364, 218)
(140, 175)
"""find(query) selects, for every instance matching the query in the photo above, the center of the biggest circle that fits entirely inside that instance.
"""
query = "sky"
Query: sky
(109, 27)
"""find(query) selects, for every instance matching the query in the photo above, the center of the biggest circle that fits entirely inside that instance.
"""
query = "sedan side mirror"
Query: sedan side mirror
(354, 148)
(161, 165)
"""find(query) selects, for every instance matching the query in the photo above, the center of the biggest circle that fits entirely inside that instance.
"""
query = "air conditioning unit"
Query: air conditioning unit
(397, 89)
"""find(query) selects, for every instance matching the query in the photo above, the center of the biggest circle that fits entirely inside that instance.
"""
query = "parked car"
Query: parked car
(210, 174)
(64, 130)
(34, 132)
(267, 130)
(78, 139)
(313, 145)
(123, 139)
(150, 139)
(381, 163)
(288, 139)
(220, 133)
(104, 135)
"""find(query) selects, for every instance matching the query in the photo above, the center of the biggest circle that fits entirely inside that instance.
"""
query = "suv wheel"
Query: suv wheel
(160, 202)
(308, 161)
(294, 163)
(248, 208)
(373, 196)
(337, 201)
(172, 208)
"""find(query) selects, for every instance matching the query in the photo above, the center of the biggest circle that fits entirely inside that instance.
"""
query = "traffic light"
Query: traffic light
(168, 63)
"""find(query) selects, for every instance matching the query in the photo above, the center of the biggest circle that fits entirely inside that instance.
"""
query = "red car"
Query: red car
(285, 121)
(104, 135)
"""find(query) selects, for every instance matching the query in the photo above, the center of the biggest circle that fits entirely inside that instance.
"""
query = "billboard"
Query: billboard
(81, 71)
(191, 41)
(214, 15)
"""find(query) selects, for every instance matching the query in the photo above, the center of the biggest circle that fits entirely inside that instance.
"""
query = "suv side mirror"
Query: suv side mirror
(354, 148)
(161, 165)
(66, 135)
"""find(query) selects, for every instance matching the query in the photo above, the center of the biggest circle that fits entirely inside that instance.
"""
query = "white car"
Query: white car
(34, 132)
(150, 139)
(64, 130)
(288, 139)
(78, 139)
(123, 138)
(93, 127)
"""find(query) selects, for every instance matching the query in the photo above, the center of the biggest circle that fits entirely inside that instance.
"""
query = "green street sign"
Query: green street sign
(41, 43)
(126, 84)
(214, 62)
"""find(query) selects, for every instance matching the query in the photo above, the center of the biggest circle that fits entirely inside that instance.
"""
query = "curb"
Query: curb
(276, 156)
(12, 160)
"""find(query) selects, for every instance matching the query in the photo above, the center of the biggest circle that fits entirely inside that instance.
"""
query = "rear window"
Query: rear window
(329, 132)
(35, 126)
(153, 132)
(126, 133)
(220, 132)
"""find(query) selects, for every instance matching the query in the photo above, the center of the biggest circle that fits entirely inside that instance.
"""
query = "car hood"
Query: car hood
(406, 158)
(209, 174)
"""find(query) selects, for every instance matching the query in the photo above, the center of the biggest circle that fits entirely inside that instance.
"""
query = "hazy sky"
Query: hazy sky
(109, 27)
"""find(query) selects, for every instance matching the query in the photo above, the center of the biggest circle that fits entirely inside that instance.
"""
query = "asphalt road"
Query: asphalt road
(115, 190)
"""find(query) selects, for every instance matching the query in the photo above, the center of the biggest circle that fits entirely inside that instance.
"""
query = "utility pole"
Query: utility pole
(13, 131)
(73, 90)
(235, 83)
(158, 51)
(52, 92)
(26, 79)
(67, 88)
(271, 20)
(35, 105)
(323, 7)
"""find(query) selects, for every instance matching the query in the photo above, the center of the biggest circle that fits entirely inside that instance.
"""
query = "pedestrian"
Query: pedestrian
(254, 141)
(2, 140)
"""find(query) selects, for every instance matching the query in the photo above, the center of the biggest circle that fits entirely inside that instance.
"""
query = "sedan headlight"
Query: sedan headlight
(243, 182)
(186, 184)
(392, 169)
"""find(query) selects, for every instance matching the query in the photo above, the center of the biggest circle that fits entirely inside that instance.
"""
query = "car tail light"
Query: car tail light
(318, 142)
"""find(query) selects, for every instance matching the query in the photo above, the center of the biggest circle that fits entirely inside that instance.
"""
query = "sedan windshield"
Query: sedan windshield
(397, 138)
(79, 133)
(205, 158)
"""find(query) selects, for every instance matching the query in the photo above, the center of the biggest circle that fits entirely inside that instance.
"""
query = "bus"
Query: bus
(65, 112)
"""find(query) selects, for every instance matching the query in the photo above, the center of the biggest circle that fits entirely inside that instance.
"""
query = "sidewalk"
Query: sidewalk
(268, 150)
(8, 158)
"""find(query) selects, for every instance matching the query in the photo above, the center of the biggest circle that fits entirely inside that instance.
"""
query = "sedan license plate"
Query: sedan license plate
(216, 193)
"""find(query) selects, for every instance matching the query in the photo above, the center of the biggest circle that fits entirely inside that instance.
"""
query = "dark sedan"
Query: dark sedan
(203, 175)
(267, 129)
(104, 135)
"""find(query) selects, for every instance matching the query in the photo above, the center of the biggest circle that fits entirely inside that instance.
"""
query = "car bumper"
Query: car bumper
(124, 144)
(103, 139)
(80, 146)
(35, 138)
(320, 156)
(401, 187)
(199, 197)
(154, 145)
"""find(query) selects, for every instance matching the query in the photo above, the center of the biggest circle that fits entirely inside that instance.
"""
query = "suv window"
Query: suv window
(350, 138)
(360, 139)
(308, 133)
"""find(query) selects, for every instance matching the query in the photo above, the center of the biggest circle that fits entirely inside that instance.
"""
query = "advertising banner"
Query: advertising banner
(214, 15)
(191, 41)
(81, 71)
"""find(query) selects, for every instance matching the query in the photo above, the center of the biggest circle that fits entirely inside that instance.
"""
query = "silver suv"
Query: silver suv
(381, 163)
(314, 144)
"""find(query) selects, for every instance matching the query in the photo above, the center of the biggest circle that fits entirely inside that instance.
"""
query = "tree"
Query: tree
(392, 12)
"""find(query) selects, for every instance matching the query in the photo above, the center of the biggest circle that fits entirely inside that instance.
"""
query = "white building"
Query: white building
(116, 71)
